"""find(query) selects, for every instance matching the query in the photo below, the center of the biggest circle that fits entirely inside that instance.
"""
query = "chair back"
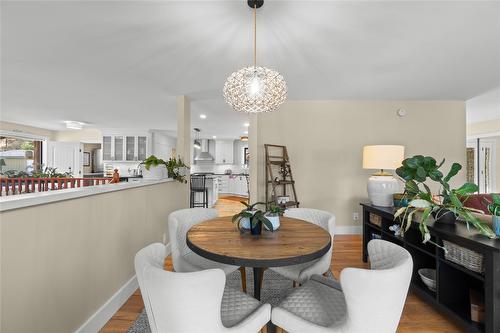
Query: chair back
(375, 298)
(179, 223)
(321, 218)
(179, 302)
(198, 182)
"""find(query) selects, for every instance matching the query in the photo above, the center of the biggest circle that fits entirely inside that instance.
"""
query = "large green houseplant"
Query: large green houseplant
(415, 171)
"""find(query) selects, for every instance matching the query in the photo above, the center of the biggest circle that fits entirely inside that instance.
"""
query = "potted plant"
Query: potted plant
(251, 218)
(154, 168)
(273, 214)
(446, 207)
(494, 209)
(177, 169)
(157, 168)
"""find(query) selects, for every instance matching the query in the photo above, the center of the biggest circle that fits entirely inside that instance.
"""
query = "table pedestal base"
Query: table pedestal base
(258, 272)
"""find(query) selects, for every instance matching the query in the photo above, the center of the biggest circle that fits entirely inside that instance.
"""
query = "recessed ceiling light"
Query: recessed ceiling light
(203, 116)
(246, 124)
(214, 137)
(71, 124)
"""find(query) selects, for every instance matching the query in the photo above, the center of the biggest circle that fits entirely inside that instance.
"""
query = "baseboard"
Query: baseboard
(108, 309)
(112, 305)
(348, 230)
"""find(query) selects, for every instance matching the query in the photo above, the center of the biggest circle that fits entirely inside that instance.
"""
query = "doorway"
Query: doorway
(482, 163)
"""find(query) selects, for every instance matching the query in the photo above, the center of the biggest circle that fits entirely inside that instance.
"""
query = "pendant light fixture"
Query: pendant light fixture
(197, 141)
(255, 89)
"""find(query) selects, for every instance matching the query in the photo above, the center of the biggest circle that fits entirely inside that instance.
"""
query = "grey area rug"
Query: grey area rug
(274, 288)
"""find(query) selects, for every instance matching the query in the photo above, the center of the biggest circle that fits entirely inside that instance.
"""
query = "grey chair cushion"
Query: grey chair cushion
(236, 306)
(318, 303)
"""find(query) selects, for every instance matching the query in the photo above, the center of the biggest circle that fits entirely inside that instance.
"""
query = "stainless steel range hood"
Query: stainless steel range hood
(204, 155)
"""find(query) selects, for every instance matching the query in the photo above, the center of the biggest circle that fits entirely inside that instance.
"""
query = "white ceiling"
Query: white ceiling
(484, 107)
(121, 63)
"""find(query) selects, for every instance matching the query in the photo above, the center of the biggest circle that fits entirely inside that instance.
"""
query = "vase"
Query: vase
(155, 172)
(256, 229)
(245, 221)
(496, 224)
(444, 216)
(275, 221)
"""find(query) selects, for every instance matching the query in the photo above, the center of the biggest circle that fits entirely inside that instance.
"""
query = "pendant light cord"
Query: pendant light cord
(254, 35)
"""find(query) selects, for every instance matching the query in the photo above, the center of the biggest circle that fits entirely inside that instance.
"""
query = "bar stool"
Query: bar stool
(198, 186)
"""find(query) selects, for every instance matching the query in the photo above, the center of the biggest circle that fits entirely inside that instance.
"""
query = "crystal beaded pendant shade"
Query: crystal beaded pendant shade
(255, 89)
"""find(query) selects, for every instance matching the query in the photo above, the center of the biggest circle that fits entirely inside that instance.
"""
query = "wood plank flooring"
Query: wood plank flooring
(418, 316)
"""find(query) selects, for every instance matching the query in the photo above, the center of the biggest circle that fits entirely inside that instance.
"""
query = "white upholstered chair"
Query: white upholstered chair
(303, 272)
(193, 302)
(364, 301)
(185, 260)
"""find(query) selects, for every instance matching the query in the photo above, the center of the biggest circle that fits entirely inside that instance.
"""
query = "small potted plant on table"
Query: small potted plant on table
(273, 214)
(251, 218)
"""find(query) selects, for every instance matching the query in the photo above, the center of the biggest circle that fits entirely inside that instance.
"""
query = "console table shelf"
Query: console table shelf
(454, 282)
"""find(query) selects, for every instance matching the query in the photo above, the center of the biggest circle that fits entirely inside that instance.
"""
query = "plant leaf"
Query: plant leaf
(419, 203)
(455, 168)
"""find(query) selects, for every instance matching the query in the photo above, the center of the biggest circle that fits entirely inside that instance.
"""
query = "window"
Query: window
(20, 156)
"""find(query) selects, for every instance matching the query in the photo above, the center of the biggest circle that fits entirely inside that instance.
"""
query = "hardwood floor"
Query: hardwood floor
(417, 317)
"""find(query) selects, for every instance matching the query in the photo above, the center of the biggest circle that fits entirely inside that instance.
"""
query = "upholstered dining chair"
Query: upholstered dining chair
(193, 302)
(364, 300)
(302, 272)
(185, 260)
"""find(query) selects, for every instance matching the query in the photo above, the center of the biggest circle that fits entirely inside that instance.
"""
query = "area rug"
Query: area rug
(274, 289)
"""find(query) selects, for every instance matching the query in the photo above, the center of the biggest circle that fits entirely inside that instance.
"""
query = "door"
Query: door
(66, 157)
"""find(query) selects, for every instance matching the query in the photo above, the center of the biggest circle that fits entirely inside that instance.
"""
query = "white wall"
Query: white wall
(325, 141)
(61, 261)
(484, 107)
(163, 145)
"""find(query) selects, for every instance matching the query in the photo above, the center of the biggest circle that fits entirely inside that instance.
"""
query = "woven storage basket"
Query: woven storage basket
(376, 219)
(464, 257)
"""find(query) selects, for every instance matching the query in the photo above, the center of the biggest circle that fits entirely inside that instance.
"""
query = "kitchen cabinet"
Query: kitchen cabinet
(224, 151)
(125, 147)
(236, 185)
(106, 148)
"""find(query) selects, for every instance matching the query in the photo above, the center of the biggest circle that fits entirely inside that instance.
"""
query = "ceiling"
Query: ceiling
(120, 64)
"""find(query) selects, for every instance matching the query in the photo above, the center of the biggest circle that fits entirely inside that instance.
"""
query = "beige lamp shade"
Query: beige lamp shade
(383, 157)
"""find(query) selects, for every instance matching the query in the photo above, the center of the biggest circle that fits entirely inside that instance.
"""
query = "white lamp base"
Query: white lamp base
(381, 190)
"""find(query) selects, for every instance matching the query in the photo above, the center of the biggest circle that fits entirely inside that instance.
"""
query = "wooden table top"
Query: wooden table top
(295, 242)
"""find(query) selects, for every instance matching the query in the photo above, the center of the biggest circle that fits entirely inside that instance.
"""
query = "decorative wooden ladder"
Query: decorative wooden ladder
(277, 161)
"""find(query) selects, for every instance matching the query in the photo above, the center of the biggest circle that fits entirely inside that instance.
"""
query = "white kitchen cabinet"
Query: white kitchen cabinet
(223, 184)
(125, 147)
(224, 152)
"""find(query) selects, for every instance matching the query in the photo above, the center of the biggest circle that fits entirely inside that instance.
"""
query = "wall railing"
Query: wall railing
(12, 186)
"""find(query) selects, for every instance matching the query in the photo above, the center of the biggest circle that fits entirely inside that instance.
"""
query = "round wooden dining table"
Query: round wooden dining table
(295, 242)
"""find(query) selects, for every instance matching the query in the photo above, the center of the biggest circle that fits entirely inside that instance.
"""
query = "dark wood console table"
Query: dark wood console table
(454, 282)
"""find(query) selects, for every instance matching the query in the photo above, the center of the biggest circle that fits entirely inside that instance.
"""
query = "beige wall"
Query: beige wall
(84, 135)
(485, 127)
(325, 141)
(11, 127)
(60, 262)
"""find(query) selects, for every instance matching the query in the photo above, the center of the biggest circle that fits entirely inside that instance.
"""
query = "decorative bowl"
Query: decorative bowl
(428, 277)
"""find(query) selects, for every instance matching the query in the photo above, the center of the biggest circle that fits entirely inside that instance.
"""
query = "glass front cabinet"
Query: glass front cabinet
(126, 147)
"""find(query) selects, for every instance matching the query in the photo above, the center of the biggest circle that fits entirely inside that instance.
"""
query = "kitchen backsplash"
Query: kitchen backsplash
(218, 168)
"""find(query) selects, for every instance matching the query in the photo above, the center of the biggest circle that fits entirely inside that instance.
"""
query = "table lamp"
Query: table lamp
(382, 185)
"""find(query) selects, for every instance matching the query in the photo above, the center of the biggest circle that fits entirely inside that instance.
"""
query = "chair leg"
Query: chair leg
(243, 279)
(325, 274)
(295, 284)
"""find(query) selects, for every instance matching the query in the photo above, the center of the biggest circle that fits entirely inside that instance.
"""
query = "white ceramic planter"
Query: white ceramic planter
(155, 172)
(245, 222)
(275, 221)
